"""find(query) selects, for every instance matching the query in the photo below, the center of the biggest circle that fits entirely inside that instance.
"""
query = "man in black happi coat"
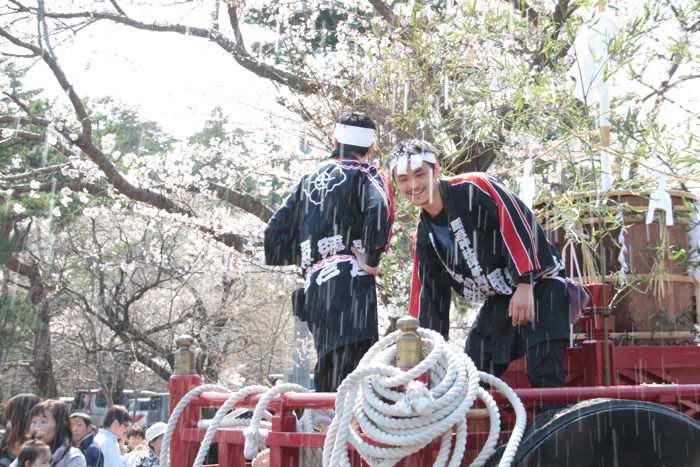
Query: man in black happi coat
(479, 239)
(335, 226)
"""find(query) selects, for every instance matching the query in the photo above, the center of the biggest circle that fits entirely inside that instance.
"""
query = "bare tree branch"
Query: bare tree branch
(526, 10)
(561, 15)
(297, 83)
(154, 366)
(233, 19)
(242, 201)
(384, 10)
(117, 7)
(75, 185)
(33, 173)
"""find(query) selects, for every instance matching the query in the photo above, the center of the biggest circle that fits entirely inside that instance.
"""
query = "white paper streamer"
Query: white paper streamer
(624, 267)
(660, 199)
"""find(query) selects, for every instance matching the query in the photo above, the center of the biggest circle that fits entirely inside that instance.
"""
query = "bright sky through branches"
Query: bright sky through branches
(173, 80)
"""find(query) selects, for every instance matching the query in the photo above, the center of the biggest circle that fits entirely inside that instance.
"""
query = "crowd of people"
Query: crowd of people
(43, 433)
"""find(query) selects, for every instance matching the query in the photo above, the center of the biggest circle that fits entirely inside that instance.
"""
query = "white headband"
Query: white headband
(354, 135)
(400, 163)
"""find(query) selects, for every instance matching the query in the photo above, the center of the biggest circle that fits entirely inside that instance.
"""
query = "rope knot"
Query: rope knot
(419, 397)
(416, 399)
(254, 442)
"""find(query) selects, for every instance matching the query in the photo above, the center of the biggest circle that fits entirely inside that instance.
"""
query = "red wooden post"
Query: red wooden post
(182, 453)
(599, 348)
(409, 353)
(231, 455)
(285, 421)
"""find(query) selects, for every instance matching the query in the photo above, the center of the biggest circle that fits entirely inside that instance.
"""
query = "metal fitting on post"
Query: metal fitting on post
(409, 351)
(184, 357)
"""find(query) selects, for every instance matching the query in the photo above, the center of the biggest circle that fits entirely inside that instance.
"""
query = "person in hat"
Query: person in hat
(335, 226)
(84, 439)
(154, 438)
(477, 238)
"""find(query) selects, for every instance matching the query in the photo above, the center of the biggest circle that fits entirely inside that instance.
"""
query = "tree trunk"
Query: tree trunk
(41, 352)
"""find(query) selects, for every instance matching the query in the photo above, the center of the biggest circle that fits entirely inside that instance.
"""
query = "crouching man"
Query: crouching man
(478, 239)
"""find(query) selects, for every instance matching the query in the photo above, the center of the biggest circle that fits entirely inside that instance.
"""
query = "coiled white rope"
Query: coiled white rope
(385, 424)
(256, 427)
(175, 416)
(384, 412)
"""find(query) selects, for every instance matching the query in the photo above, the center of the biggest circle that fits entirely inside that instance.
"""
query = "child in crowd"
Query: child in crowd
(34, 453)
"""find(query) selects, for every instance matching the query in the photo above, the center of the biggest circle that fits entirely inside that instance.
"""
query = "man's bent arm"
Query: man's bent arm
(280, 234)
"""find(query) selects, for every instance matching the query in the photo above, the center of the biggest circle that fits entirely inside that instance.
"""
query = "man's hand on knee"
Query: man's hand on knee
(521, 308)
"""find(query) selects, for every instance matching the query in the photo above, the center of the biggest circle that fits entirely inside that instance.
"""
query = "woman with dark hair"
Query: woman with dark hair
(50, 424)
(16, 413)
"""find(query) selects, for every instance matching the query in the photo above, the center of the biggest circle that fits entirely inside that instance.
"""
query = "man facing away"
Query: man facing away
(113, 431)
(84, 439)
(335, 226)
(479, 239)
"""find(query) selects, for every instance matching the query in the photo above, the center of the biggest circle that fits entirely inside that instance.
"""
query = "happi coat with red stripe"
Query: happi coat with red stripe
(341, 204)
(496, 243)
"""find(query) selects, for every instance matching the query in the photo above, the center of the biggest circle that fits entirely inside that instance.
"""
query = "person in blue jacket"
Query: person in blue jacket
(84, 439)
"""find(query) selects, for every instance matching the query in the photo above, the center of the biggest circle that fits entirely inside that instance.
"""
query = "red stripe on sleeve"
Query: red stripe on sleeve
(515, 245)
(390, 193)
(416, 285)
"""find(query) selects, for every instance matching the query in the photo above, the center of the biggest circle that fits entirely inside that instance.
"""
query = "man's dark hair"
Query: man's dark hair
(348, 151)
(118, 413)
(136, 431)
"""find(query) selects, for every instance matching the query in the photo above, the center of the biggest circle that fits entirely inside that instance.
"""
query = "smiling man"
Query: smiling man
(477, 238)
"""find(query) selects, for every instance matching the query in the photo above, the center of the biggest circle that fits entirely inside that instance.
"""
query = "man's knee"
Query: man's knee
(545, 364)
(476, 350)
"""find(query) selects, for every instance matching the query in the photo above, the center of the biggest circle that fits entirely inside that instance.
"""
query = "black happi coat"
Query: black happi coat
(343, 203)
(496, 244)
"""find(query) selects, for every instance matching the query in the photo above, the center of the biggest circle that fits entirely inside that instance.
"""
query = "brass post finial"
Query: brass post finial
(408, 346)
(184, 357)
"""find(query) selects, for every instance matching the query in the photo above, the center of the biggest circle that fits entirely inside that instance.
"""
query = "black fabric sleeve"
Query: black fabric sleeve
(281, 232)
(431, 293)
(377, 210)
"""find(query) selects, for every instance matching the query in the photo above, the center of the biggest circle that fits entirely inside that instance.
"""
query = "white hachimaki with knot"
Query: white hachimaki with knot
(410, 155)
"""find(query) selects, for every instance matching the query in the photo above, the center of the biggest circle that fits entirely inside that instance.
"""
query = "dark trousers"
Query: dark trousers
(332, 368)
(494, 342)
(545, 361)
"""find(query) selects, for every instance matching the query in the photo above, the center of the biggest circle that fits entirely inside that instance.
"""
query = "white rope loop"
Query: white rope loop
(520, 417)
(175, 416)
(404, 421)
(220, 414)
(385, 413)
(254, 435)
